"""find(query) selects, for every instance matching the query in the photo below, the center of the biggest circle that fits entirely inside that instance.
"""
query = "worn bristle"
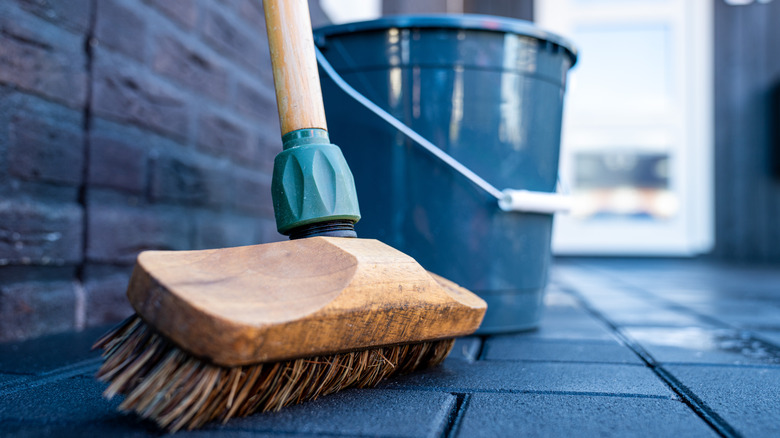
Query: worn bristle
(176, 390)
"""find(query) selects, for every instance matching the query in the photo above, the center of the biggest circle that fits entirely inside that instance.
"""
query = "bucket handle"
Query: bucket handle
(508, 199)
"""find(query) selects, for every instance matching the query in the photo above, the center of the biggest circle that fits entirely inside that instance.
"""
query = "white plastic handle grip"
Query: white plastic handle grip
(534, 202)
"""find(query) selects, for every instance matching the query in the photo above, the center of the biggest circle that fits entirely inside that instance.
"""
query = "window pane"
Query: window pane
(622, 68)
(630, 183)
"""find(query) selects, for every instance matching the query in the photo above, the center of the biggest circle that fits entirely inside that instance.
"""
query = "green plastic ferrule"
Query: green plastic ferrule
(302, 137)
(311, 182)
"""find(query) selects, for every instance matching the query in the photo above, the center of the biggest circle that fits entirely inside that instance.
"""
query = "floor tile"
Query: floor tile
(704, 346)
(466, 349)
(49, 352)
(715, 328)
(519, 348)
(772, 337)
(355, 412)
(6, 378)
(570, 323)
(655, 317)
(504, 376)
(531, 415)
(742, 313)
(75, 406)
(70, 407)
(745, 397)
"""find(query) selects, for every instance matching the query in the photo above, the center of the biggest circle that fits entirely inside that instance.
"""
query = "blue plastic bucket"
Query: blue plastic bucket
(489, 92)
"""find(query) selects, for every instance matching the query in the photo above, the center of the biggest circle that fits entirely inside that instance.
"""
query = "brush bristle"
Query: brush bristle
(176, 390)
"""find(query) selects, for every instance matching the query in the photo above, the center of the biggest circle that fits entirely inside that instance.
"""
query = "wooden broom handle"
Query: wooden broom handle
(296, 79)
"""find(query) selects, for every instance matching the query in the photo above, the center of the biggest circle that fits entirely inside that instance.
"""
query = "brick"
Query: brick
(512, 415)
(117, 234)
(51, 64)
(391, 413)
(188, 180)
(462, 376)
(221, 137)
(252, 12)
(27, 273)
(223, 231)
(252, 192)
(122, 92)
(36, 308)
(73, 14)
(257, 101)
(521, 349)
(39, 234)
(191, 68)
(183, 12)
(116, 164)
(745, 397)
(269, 143)
(43, 150)
(106, 300)
(47, 353)
(266, 231)
(222, 33)
(36, 191)
(121, 29)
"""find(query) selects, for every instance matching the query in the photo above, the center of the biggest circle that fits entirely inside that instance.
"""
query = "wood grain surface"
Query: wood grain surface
(296, 78)
(299, 298)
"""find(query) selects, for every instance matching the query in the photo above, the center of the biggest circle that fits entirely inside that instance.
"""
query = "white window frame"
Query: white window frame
(689, 130)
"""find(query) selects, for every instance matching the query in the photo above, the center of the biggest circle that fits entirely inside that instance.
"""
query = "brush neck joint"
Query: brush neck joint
(313, 190)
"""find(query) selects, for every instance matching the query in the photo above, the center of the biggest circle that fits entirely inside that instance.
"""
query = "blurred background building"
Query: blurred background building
(669, 143)
(128, 125)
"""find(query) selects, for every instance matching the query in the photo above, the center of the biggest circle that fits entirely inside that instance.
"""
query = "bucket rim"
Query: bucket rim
(451, 21)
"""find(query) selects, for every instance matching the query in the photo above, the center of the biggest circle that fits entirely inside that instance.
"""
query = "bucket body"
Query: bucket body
(489, 92)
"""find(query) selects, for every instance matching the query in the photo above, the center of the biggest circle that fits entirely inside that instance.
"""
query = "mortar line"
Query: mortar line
(89, 38)
(709, 416)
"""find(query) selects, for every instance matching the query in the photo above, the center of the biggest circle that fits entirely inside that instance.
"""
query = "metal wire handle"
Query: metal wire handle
(508, 199)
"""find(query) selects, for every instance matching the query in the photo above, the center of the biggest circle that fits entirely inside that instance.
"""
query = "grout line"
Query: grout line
(709, 416)
(725, 365)
(461, 404)
(666, 302)
(559, 361)
(670, 304)
(482, 350)
(472, 391)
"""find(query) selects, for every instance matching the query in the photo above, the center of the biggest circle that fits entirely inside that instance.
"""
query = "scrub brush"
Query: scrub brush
(228, 332)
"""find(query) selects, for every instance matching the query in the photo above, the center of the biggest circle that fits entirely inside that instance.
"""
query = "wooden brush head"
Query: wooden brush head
(299, 298)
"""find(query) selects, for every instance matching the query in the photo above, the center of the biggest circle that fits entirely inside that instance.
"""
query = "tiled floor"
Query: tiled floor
(626, 348)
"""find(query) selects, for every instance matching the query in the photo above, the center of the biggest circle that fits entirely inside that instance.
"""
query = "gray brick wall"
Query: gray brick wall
(126, 125)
